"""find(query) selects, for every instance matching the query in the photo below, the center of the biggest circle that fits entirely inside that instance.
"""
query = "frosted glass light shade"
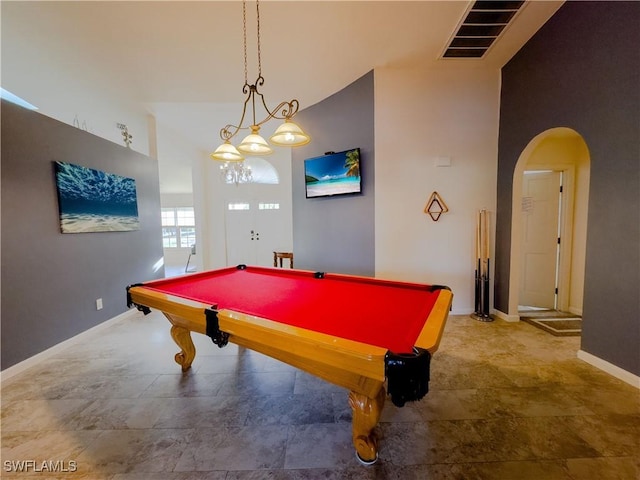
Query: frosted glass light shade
(254, 144)
(227, 153)
(289, 134)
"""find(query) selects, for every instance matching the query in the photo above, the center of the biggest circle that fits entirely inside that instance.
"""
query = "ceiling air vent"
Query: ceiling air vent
(483, 24)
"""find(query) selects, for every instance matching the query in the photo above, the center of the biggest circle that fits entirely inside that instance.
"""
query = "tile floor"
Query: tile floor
(507, 401)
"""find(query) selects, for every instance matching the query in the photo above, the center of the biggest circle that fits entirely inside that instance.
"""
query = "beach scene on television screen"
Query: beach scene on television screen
(333, 174)
(94, 201)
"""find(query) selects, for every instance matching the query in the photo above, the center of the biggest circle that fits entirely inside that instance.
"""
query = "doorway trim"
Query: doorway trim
(568, 168)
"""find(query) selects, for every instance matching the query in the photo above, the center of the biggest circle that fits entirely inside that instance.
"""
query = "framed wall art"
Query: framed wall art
(95, 201)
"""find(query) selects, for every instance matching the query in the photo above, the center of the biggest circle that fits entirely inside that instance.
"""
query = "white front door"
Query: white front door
(540, 237)
(239, 239)
(254, 230)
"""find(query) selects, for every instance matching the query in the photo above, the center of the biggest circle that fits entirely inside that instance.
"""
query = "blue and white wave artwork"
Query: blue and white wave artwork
(95, 201)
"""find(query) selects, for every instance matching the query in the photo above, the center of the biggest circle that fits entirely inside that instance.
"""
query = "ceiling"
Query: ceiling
(183, 60)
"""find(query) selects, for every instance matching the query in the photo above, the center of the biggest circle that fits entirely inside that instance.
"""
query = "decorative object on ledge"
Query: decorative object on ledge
(482, 268)
(128, 138)
(288, 134)
(76, 123)
(435, 206)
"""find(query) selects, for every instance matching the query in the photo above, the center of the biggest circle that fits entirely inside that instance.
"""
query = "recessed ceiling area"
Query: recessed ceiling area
(483, 24)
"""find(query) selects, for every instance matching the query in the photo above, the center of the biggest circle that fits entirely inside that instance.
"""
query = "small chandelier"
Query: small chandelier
(236, 173)
(288, 134)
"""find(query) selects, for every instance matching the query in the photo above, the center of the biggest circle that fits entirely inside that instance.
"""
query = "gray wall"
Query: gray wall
(50, 280)
(336, 234)
(582, 70)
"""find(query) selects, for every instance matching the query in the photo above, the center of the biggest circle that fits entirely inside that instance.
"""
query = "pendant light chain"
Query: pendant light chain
(259, 55)
(286, 135)
(244, 36)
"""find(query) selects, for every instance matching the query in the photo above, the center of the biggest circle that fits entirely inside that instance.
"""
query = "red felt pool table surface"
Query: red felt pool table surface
(375, 312)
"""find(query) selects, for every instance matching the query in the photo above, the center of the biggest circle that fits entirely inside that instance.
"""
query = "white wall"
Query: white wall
(420, 114)
(30, 50)
(38, 66)
(175, 157)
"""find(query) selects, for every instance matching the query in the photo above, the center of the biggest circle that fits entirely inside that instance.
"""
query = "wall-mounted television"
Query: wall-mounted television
(333, 174)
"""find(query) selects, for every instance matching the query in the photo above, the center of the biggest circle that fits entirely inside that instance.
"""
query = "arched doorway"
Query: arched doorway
(556, 153)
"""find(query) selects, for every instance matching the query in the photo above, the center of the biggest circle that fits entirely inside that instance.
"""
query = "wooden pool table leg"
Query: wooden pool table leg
(187, 353)
(366, 414)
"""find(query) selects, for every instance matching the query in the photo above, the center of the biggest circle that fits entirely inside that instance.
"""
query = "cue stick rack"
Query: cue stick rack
(483, 263)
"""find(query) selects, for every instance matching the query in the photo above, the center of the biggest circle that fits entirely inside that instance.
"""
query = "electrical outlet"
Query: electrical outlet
(99, 304)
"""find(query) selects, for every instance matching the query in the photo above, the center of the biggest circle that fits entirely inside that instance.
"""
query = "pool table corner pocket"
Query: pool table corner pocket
(407, 375)
(217, 336)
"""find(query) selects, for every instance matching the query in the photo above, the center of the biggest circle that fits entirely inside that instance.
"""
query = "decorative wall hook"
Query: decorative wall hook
(128, 138)
(435, 206)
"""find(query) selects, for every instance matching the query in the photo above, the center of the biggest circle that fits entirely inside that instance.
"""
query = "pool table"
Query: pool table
(373, 337)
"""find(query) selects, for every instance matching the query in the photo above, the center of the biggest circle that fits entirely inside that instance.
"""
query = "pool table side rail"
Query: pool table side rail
(349, 364)
(348, 278)
(297, 273)
(284, 342)
(233, 322)
(186, 309)
(432, 330)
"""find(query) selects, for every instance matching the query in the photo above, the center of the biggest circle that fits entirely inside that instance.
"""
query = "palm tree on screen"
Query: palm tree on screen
(352, 164)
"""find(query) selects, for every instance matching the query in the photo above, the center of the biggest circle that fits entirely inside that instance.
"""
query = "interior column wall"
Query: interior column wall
(336, 234)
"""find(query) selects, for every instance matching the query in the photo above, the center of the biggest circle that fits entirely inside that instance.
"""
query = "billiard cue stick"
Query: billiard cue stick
(478, 266)
(478, 285)
(477, 288)
(483, 266)
(485, 310)
(485, 298)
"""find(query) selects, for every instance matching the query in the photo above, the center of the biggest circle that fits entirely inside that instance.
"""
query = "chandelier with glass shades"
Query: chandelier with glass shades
(236, 172)
(289, 134)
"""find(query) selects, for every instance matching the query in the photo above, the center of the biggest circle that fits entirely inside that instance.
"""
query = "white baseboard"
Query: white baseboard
(505, 316)
(14, 370)
(576, 311)
(610, 368)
